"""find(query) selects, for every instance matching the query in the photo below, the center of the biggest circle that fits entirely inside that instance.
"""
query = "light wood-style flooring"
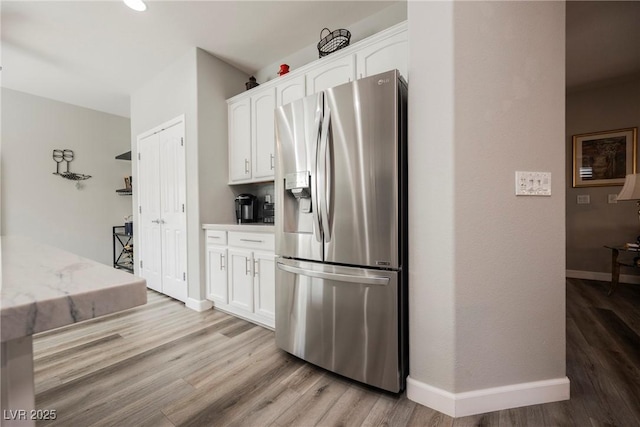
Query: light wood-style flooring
(165, 365)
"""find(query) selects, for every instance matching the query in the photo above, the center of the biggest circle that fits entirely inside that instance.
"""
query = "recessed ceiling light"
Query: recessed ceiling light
(137, 5)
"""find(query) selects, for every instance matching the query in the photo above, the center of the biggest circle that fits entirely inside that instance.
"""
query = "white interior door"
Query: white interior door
(149, 251)
(162, 209)
(173, 217)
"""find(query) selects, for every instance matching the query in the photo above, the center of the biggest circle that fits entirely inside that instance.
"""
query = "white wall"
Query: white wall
(487, 286)
(165, 96)
(46, 207)
(196, 85)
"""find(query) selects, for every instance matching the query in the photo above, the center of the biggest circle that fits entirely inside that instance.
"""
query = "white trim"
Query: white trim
(199, 305)
(603, 277)
(163, 126)
(489, 399)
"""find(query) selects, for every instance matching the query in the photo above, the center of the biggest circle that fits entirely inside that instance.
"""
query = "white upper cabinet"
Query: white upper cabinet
(252, 113)
(330, 73)
(263, 105)
(290, 90)
(240, 140)
(387, 54)
(251, 137)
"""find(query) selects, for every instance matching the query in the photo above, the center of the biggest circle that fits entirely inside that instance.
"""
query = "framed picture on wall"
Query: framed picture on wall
(604, 158)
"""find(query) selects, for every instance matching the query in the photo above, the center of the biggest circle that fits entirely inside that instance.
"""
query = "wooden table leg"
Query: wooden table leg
(615, 271)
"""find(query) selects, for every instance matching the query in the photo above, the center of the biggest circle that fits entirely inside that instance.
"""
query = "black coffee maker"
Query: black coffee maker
(246, 208)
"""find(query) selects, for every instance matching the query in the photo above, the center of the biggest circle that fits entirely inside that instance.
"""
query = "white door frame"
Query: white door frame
(175, 290)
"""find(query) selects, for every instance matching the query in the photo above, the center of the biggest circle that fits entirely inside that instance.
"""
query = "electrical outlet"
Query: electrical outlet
(583, 199)
(612, 198)
(533, 183)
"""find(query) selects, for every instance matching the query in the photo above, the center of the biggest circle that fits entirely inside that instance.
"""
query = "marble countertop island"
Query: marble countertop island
(44, 288)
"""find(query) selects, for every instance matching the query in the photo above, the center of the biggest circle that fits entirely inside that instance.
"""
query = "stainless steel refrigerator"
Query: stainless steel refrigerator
(341, 232)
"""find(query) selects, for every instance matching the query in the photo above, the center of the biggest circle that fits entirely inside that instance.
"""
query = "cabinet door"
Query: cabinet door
(149, 248)
(240, 140)
(388, 54)
(264, 279)
(291, 90)
(240, 280)
(217, 274)
(263, 105)
(333, 73)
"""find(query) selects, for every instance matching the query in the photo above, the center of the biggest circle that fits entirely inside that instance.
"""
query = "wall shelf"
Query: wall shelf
(124, 156)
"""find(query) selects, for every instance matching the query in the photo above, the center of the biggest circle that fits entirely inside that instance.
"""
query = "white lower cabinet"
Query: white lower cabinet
(264, 284)
(241, 274)
(217, 274)
(240, 279)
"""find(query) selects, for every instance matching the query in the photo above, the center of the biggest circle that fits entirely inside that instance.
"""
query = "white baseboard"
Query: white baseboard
(487, 400)
(199, 305)
(603, 277)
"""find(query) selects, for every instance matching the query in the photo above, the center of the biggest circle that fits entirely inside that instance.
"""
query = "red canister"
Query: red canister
(284, 69)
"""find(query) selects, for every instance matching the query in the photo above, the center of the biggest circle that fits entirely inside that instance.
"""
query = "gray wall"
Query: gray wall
(487, 268)
(196, 85)
(46, 207)
(611, 105)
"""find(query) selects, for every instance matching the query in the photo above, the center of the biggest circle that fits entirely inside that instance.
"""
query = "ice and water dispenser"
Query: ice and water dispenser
(298, 184)
(297, 205)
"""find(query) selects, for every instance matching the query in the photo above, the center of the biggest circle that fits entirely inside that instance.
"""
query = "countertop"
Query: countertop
(44, 288)
(254, 227)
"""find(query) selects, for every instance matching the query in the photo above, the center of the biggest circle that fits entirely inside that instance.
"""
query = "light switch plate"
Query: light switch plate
(612, 198)
(533, 183)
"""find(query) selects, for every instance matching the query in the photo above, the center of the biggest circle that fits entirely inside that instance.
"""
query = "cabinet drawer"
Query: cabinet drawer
(265, 241)
(216, 237)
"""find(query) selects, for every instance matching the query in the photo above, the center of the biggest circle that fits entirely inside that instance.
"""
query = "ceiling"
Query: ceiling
(95, 53)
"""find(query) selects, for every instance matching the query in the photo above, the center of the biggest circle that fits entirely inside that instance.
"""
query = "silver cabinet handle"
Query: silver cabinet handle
(156, 221)
(251, 240)
(246, 166)
(271, 163)
(221, 262)
(213, 237)
(255, 267)
(247, 267)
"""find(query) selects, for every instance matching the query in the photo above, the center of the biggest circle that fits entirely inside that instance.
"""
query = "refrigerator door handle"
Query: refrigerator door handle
(363, 280)
(317, 229)
(324, 176)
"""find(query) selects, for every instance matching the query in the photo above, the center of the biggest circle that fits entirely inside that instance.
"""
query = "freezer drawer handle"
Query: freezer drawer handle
(363, 280)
